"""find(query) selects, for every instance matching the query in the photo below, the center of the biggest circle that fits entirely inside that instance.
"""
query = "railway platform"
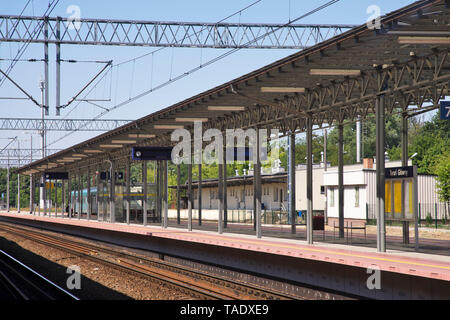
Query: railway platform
(339, 267)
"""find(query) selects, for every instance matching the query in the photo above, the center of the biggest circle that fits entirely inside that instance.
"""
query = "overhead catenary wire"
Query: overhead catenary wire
(211, 61)
(36, 30)
(152, 53)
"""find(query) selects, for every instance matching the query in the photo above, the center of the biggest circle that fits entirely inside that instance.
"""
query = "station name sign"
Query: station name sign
(107, 176)
(399, 172)
(151, 153)
(445, 110)
(56, 175)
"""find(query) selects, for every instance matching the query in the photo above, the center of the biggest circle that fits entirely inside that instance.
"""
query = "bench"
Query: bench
(351, 228)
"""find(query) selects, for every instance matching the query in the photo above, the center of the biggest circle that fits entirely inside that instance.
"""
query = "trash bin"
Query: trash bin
(318, 223)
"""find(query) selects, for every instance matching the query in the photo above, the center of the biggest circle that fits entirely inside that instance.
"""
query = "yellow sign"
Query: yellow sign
(49, 185)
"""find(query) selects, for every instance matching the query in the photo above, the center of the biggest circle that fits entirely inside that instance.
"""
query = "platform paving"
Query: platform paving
(394, 260)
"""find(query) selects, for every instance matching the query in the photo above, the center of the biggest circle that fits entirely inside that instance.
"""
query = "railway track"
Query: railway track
(20, 282)
(182, 278)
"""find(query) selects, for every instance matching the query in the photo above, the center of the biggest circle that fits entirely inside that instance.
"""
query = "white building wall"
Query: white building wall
(366, 179)
(235, 197)
(300, 189)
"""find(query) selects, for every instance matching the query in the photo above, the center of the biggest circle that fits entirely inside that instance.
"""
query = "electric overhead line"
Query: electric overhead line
(329, 3)
(31, 35)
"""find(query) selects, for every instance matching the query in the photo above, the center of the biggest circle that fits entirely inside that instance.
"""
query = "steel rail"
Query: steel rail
(185, 286)
(218, 285)
(32, 284)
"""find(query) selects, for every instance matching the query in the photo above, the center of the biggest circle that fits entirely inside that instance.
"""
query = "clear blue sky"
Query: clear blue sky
(132, 79)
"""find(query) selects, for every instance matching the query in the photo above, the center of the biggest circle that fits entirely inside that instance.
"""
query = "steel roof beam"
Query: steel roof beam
(169, 34)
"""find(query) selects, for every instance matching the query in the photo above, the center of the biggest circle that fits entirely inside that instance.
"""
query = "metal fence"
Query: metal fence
(267, 217)
(427, 211)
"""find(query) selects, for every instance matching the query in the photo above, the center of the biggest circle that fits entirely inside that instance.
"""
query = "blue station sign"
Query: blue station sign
(445, 110)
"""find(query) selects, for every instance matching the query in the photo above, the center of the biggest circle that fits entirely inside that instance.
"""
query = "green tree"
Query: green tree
(431, 142)
(442, 169)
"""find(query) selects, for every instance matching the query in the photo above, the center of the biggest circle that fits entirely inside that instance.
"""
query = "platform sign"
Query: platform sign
(445, 110)
(400, 193)
(56, 175)
(106, 175)
(151, 153)
(399, 172)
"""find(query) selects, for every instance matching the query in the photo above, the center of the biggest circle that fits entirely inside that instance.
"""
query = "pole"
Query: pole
(416, 211)
(80, 187)
(144, 189)
(89, 206)
(199, 194)
(178, 195)
(291, 181)
(220, 193)
(404, 142)
(112, 192)
(257, 176)
(166, 194)
(46, 78)
(358, 140)
(189, 196)
(309, 183)
(63, 197)
(18, 179)
(58, 67)
(341, 178)
(71, 200)
(127, 187)
(225, 194)
(42, 187)
(325, 170)
(97, 178)
(381, 228)
(7, 186)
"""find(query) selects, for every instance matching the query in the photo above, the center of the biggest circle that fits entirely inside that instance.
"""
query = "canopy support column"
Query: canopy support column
(189, 196)
(127, 187)
(165, 165)
(291, 181)
(257, 177)
(380, 203)
(225, 195)
(79, 195)
(309, 182)
(199, 194)
(89, 204)
(144, 191)
(178, 195)
(341, 178)
(220, 194)
(404, 142)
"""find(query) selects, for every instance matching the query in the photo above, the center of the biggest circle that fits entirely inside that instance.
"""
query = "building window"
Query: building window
(322, 189)
(275, 195)
(356, 196)
(331, 197)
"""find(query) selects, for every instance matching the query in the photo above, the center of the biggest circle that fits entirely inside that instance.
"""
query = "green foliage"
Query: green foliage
(431, 142)
(429, 219)
(24, 188)
(442, 169)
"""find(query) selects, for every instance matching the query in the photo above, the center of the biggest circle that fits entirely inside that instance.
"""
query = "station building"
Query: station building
(359, 193)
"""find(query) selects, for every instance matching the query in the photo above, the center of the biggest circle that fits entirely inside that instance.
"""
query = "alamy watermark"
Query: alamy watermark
(374, 280)
(374, 21)
(240, 145)
(74, 280)
(74, 19)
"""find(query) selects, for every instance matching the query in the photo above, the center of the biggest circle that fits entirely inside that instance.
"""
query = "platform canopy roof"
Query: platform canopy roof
(406, 60)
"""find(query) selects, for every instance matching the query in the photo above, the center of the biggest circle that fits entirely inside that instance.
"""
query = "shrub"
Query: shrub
(429, 218)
